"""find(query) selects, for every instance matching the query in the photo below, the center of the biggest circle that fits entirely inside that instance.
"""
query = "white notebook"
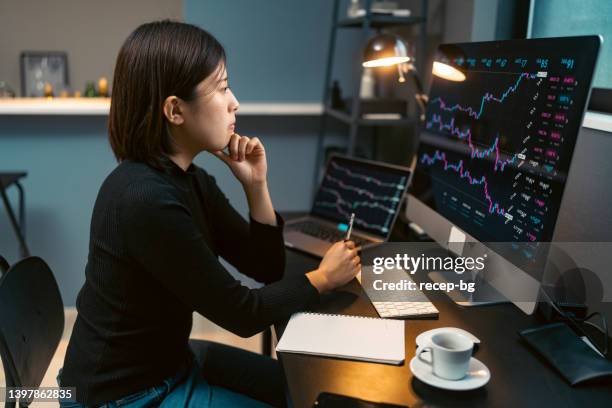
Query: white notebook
(351, 337)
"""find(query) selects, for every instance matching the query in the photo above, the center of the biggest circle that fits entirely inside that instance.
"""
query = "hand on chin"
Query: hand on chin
(246, 158)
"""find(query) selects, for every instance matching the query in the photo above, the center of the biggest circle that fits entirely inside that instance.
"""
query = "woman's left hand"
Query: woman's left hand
(246, 159)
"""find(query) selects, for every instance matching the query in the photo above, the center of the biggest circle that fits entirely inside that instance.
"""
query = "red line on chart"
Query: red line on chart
(467, 134)
(494, 207)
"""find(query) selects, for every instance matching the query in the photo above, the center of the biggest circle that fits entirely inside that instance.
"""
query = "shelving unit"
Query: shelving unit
(352, 119)
(379, 21)
(348, 119)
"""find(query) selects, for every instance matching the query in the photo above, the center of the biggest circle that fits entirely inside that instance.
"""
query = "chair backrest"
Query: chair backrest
(31, 321)
(4, 265)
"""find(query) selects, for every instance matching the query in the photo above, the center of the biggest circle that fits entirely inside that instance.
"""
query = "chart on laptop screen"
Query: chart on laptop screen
(497, 146)
(374, 193)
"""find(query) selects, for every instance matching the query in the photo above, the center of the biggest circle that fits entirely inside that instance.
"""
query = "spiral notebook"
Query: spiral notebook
(351, 337)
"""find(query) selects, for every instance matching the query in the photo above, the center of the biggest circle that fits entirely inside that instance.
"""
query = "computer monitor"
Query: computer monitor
(495, 151)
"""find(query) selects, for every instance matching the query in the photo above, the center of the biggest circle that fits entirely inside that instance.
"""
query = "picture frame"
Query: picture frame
(40, 67)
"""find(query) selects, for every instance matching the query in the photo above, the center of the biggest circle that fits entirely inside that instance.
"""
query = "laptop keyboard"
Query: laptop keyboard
(325, 233)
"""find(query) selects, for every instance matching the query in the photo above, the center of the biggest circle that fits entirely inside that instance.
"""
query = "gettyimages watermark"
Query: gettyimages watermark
(411, 264)
(579, 271)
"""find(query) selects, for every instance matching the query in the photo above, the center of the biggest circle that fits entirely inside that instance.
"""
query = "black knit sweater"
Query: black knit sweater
(153, 261)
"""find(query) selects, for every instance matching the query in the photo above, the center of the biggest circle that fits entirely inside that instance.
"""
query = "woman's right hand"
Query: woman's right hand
(340, 264)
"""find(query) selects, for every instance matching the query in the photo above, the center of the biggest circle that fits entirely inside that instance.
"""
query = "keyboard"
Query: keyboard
(402, 304)
(324, 232)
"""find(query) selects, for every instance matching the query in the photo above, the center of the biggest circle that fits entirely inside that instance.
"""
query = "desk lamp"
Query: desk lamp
(385, 50)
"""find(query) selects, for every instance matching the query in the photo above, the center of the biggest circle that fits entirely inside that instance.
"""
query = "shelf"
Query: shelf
(57, 106)
(598, 121)
(101, 107)
(380, 21)
(341, 116)
(346, 118)
(281, 108)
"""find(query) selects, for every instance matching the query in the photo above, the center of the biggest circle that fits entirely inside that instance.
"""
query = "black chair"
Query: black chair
(31, 322)
(4, 266)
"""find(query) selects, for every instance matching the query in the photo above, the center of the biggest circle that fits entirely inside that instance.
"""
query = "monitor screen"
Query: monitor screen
(497, 143)
(373, 191)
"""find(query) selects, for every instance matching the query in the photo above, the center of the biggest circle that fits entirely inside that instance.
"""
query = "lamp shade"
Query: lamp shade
(384, 50)
(447, 71)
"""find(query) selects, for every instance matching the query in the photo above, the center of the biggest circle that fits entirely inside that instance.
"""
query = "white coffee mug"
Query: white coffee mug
(449, 356)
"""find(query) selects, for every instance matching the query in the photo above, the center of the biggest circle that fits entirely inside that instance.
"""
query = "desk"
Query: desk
(6, 180)
(519, 378)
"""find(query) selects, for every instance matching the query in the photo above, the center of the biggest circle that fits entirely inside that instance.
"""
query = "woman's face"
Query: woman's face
(210, 119)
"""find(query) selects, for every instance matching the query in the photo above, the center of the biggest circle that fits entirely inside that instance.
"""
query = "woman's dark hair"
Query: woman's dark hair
(157, 60)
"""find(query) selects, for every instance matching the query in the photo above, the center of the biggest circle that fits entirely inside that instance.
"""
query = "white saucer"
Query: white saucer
(477, 376)
(424, 338)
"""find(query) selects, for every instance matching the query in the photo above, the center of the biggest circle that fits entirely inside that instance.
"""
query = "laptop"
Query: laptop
(373, 191)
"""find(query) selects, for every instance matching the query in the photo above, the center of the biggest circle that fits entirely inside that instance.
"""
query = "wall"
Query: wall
(458, 18)
(563, 18)
(276, 49)
(91, 32)
(479, 20)
(67, 158)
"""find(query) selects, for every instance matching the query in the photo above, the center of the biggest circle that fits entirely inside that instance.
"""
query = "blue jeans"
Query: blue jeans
(207, 382)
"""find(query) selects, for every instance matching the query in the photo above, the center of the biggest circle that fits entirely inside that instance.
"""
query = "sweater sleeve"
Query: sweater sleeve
(255, 249)
(162, 237)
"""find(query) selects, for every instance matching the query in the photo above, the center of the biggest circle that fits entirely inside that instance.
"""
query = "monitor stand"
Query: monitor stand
(485, 294)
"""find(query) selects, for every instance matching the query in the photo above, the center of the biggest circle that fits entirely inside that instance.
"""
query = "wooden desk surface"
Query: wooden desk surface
(519, 378)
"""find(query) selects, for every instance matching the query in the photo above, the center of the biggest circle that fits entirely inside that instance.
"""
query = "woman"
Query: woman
(158, 227)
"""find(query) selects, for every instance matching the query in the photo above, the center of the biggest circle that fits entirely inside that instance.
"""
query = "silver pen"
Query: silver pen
(350, 228)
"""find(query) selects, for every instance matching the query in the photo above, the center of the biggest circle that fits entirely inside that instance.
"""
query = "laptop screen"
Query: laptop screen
(371, 190)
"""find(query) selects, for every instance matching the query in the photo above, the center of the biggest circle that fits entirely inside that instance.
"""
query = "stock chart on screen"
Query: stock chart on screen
(374, 193)
(495, 151)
